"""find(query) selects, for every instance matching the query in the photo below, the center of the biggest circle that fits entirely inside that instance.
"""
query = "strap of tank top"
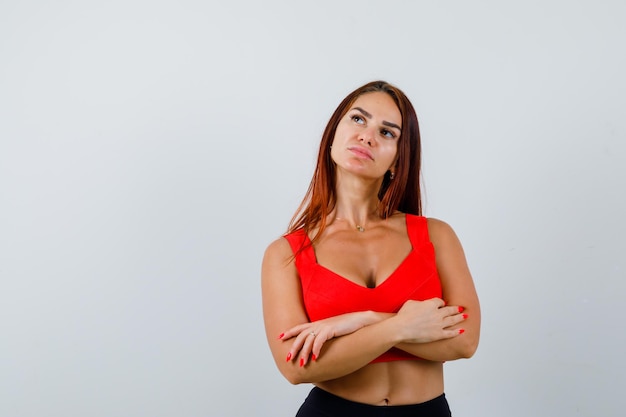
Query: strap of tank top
(301, 248)
(417, 228)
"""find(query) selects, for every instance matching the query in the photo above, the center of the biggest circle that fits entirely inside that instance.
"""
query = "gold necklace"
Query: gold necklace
(358, 227)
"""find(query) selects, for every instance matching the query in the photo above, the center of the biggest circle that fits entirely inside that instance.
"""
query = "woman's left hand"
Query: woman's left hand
(310, 337)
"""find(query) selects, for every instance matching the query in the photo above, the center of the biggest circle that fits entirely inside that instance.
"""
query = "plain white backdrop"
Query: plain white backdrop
(150, 150)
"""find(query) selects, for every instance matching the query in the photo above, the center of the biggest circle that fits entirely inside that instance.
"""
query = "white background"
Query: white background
(150, 150)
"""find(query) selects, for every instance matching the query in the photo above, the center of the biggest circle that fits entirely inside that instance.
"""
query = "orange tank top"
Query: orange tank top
(327, 294)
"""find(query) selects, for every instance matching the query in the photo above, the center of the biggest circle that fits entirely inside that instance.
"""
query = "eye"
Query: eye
(388, 133)
(357, 119)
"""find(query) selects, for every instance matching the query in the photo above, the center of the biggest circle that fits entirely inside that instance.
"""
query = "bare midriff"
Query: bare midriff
(390, 383)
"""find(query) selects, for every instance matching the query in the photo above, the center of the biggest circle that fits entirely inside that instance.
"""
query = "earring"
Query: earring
(392, 175)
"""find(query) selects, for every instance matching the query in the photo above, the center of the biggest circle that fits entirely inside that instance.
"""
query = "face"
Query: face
(366, 139)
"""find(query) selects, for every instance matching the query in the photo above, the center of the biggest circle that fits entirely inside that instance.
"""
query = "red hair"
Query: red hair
(402, 193)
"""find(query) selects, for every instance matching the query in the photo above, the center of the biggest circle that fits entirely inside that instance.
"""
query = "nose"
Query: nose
(367, 135)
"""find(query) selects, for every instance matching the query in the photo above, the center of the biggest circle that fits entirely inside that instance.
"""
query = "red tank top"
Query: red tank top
(327, 294)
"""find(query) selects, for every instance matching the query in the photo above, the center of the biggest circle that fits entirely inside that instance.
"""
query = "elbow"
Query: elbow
(294, 375)
(293, 372)
(294, 379)
(467, 349)
(467, 353)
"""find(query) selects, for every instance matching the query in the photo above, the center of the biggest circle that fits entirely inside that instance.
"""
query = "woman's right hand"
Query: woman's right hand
(310, 337)
(428, 321)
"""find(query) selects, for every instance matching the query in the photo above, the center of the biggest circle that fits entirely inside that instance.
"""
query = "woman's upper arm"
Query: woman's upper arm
(283, 307)
(456, 281)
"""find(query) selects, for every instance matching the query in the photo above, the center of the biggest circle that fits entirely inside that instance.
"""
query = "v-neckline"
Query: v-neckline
(364, 287)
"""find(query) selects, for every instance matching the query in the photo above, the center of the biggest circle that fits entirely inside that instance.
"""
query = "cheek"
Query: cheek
(339, 139)
(393, 152)
(333, 148)
(345, 130)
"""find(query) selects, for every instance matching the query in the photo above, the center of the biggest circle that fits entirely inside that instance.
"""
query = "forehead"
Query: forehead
(380, 105)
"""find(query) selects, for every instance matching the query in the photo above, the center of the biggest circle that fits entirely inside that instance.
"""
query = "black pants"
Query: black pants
(321, 403)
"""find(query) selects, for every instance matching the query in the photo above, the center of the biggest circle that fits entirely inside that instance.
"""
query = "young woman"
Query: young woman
(364, 297)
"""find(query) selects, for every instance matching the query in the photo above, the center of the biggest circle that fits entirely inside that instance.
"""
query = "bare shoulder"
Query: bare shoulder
(279, 247)
(440, 232)
(278, 253)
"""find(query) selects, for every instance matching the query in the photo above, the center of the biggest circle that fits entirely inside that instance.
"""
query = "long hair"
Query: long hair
(402, 193)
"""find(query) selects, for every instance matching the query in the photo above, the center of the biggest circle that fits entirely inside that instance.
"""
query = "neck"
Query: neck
(357, 202)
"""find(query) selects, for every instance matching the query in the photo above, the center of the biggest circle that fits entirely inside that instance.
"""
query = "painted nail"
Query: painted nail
(289, 357)
(461, 309)
(314, 357)
(465, 316)
(461, 331)
(281, 335)
(301, 362)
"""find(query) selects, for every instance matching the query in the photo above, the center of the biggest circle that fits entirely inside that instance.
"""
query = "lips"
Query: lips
(361, 152)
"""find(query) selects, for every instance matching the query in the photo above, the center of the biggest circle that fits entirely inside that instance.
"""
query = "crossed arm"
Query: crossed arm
(428, 329)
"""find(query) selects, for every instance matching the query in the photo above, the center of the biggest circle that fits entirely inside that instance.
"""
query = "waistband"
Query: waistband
(332, 405)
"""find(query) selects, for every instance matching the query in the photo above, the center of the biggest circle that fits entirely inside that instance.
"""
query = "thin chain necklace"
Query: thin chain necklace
(358, 227)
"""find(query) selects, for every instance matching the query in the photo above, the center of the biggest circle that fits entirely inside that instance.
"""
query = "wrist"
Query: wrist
(396, 329)
(373, 317)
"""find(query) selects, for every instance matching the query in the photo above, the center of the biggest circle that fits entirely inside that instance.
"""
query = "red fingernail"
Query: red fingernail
(465, 316)
(289, 357)
(461, 309)
(281, 335)
(301, 362)
(314, 357)
(461, 331)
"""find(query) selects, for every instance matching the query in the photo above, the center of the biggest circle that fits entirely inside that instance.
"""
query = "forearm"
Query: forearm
(346, 354)
(442, 350)
(462, 346)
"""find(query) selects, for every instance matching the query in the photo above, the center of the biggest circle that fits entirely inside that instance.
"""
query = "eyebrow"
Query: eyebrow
(369, 116)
